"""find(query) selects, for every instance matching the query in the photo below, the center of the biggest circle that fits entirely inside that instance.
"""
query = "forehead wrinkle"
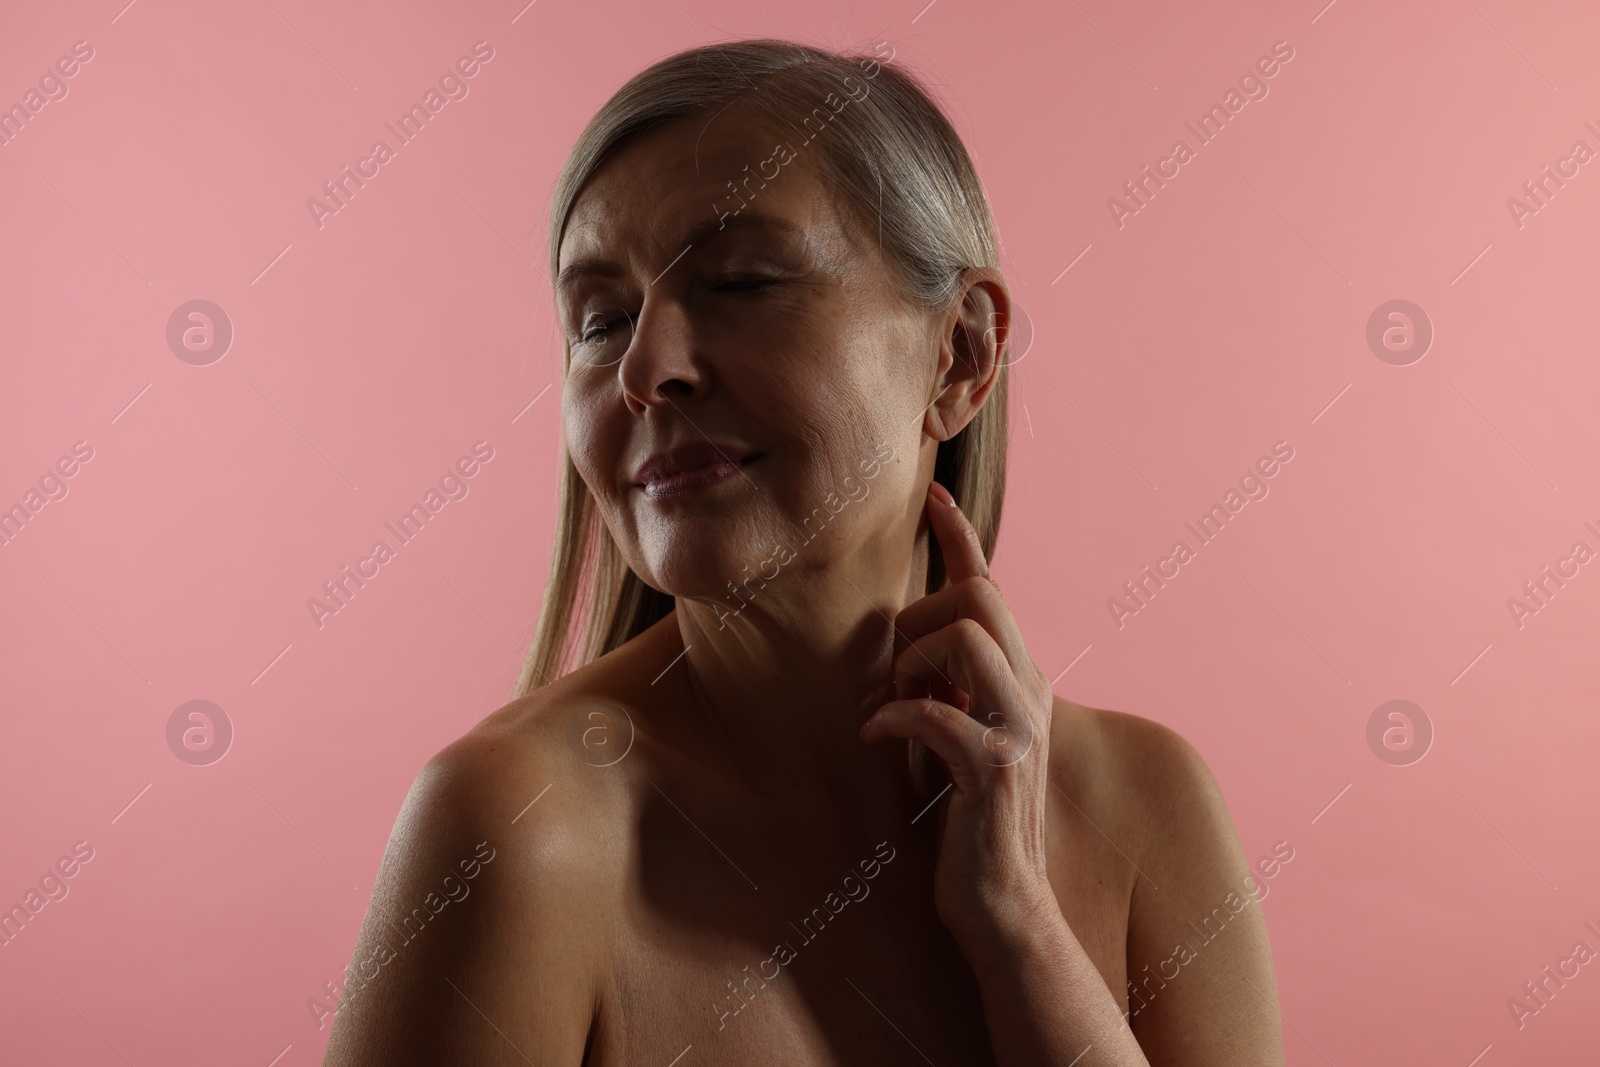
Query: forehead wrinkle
(697, 235)
(656, 132)
(801, 179)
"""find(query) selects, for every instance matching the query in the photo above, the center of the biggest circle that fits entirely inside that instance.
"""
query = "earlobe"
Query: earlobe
(936, 416)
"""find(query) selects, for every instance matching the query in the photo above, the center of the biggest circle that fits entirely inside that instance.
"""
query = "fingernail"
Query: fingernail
(943, 494)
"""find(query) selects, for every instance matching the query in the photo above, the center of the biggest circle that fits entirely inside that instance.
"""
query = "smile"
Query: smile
(685, 482)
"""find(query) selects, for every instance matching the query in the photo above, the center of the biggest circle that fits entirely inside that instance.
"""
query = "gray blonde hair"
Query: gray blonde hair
(893, 157)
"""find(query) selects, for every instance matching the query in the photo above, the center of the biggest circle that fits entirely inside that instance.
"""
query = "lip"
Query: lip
(691, 466)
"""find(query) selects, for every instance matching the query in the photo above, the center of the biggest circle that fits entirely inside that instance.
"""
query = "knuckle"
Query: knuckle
(982, 592)
(977, 588)
(968, 629)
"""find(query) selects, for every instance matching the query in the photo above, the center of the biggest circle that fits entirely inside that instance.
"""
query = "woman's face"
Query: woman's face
(765, 328)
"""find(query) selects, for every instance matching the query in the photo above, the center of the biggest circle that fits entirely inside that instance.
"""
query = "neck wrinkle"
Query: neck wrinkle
(784, 709)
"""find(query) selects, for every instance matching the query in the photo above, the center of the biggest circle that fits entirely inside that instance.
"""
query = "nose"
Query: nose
(660, 366)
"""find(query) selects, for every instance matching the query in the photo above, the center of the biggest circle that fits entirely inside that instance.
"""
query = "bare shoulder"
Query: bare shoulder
(1148, 768)
(1199, 963)
(480, 941)
(1136, 772)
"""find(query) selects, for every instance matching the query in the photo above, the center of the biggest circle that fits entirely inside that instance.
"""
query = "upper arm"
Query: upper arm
(471, 950)
(1203, 992)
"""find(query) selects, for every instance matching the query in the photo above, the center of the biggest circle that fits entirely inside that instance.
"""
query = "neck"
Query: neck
(784, 685)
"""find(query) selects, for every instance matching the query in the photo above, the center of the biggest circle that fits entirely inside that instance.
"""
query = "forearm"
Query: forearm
(1043, 999)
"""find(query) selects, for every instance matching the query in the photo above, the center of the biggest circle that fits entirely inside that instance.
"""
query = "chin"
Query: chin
(702, 567)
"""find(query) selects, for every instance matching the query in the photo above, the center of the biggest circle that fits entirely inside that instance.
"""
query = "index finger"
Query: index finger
(958, 541)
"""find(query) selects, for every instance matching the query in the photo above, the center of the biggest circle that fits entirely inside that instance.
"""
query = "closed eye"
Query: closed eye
(742, 285)
(597, 328)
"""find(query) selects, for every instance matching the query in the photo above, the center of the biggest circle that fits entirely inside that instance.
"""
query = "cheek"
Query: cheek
(839, 430)
(871, 398)
(585, 436)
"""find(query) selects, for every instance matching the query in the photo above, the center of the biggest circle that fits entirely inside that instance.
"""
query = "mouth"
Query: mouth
(686, 477)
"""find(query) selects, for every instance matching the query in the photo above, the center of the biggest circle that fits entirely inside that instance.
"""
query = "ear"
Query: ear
(972, 341)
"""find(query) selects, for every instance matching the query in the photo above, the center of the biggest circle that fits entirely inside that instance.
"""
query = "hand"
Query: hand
(966, 686)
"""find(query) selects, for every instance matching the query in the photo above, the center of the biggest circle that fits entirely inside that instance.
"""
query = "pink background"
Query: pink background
(1228, 314)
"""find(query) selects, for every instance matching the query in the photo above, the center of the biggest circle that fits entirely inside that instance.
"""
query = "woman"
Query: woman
(804, 796)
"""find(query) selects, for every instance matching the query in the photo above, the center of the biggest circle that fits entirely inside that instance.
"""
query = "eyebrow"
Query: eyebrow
(701, 234)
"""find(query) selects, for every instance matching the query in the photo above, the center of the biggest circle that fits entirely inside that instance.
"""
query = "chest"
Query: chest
(831, 970)
(824, 957)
